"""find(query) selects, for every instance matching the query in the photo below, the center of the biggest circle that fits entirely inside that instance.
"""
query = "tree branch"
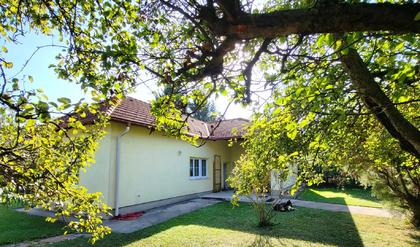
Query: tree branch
(325, 18)
(380, 104)
(248, 70)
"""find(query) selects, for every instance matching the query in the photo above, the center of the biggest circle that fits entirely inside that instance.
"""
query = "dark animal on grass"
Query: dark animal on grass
(283, 207)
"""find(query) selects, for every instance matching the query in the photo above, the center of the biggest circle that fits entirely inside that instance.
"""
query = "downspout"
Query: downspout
(117, 170)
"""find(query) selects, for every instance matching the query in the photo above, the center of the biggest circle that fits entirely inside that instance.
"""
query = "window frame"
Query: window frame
(200, 168)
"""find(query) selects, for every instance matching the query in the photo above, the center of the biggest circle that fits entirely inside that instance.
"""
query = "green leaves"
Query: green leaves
(7, 65)
(313, 109)
(46, 150)
(103, 57)
(64, 100)
(417, 17)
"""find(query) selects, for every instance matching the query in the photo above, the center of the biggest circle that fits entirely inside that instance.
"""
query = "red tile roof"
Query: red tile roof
(134, 111)
(227, 129)
(137, 112)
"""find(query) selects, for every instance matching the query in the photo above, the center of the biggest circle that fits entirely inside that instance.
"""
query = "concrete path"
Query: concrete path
(151, 217)
(380, 212)
(225, 196)
(44, 213)
(158, 215)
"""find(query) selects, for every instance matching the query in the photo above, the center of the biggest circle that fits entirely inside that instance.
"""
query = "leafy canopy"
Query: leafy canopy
(304, 57)
(45, 144)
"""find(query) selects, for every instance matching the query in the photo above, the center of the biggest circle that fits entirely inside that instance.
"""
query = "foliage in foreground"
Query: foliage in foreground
(343, 96)
(342, 107)
(41, 165)
(321, 122)
(252, 173)
(43, 145)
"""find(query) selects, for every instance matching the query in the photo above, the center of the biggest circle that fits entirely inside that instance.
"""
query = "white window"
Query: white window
(198, 168)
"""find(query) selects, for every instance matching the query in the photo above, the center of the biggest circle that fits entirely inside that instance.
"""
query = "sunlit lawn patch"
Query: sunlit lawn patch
(350, 196)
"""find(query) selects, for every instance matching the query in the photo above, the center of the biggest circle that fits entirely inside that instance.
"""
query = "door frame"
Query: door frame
(217, 173)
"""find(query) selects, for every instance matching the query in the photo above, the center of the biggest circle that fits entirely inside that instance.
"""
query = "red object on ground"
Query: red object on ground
(130, 216)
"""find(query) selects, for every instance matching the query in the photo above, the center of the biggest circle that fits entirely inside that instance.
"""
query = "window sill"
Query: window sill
(198, 178)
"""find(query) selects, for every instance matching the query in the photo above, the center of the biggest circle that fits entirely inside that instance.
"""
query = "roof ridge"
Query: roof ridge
(132, 98)
(237, 118)
(226, 120)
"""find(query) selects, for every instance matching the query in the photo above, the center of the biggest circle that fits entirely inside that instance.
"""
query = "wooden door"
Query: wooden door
(217, 173)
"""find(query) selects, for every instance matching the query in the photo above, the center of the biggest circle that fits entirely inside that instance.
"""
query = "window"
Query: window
(204, 168)
(198, 168)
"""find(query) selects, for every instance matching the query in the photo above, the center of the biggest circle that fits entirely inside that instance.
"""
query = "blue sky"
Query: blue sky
(37, 67)
(46, 79)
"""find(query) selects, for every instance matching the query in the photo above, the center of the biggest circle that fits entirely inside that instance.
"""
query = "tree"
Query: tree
(267, 149)
(206, 112)
(347, 64)
(201, 110)
(207, 55)
(343, 62)
(44, 145)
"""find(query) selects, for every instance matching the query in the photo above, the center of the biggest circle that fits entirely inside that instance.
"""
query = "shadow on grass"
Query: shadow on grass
(261, 241)
(311, 225)
(16, 227)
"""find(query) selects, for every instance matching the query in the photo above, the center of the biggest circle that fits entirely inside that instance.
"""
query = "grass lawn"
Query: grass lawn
(222, 225)
(17, 227)
(350, 196)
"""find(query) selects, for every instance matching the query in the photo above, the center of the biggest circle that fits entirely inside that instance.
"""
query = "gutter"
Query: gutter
(117, 170)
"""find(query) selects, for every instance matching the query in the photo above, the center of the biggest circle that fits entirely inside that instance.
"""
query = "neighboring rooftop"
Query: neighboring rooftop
(137, 112)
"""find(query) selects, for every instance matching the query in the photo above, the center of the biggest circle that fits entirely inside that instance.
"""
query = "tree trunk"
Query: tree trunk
(415, 218)
(380, 105)
(414, 205)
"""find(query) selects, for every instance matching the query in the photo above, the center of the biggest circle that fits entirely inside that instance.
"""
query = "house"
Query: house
(138, 168)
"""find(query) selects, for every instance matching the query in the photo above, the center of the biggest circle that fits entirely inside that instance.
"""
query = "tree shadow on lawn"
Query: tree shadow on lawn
(311, 225)
(16, 227)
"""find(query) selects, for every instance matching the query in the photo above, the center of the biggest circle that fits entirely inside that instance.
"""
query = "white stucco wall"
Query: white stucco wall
(153, 166)
(96, 178)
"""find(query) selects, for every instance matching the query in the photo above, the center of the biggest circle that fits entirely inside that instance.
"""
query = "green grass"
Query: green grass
(222, 225)
(351, 196)
(17, 227)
